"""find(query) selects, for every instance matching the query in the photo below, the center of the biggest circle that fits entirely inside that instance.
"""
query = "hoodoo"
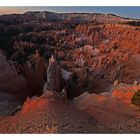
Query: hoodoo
(54, 76)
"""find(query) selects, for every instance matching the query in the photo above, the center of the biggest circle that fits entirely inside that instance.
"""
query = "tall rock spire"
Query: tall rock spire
(54, 76)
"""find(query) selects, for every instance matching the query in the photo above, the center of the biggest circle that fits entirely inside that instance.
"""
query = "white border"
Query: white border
(69, 2)
(71, 137)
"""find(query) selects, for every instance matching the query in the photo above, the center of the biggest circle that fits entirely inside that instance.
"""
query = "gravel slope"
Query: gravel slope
(50, 115)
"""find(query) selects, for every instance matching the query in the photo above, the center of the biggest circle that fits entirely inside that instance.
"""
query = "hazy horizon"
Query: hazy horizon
(127, 12)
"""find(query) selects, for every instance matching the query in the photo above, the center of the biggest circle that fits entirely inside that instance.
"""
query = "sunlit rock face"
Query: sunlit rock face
(118, 51)
(125, 92)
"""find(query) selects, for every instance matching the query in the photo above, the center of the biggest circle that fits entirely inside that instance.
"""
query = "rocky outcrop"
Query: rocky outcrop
(76, 17)
(118, 52)
(54, 76)
(132, 69)
(60, 80)
(10, 80)
(125, 92)
(40, 69)
(50, 114)
(110, 111)
(13, 86)
(34, 72)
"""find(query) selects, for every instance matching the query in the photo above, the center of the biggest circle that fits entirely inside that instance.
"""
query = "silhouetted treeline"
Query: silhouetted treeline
(133, 23)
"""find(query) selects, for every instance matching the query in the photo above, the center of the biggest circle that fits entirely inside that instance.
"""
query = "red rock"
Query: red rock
(125, 92)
